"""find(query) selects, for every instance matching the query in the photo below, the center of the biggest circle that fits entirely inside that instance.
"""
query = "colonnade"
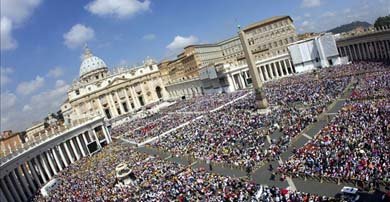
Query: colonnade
(366, 50)
(25, 179)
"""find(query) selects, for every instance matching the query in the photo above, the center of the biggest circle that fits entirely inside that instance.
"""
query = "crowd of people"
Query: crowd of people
(152, 126)
(154, 179)
(353, 146)
(204, 103)
(237, 134)
(372, 85)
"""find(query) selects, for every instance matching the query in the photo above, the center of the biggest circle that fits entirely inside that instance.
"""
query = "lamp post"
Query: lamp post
(261, 101)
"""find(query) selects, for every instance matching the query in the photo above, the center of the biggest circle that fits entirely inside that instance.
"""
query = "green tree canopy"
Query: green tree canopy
(382, 21)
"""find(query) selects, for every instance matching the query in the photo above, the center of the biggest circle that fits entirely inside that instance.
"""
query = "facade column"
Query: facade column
(45, 165)
(22, 181)
(127, 100)
(106, 135)
(230, 82)
(135, 97)
(85, 139)
(120, 103)
(274, 72)
(97, 139)
(51, 163)
(100, 106)
(13, 189)
(80, 146)
(62, 156)
(111, 99)
(68, 152)
(265, 72)
(76, 153)
(285, 66)
(40, 169)
(268, 71)
(7, 192)
(57, 159)
(34, 173)
(28, 177)
(282, 68)
(260, 73)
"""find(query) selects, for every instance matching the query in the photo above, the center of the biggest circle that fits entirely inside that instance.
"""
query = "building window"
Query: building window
(77, 92)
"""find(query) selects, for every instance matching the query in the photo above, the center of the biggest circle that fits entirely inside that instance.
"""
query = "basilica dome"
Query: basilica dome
(91, 63)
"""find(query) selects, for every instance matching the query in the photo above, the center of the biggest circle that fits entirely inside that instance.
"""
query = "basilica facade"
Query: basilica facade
(111, 92)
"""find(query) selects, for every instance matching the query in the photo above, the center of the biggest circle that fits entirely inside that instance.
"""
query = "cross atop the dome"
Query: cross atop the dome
(87, 52)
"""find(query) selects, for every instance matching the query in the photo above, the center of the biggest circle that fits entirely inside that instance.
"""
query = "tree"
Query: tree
(382, 21)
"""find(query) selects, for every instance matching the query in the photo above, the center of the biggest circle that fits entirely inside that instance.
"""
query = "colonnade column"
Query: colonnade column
(28, 177)
(18, 184)
(68, 152)
(7, 192)
(56, 158)
(2, 195)
(63, 157)
(13, 189)
(40, 170)
(74, 149)
(51, 163)
(45, 166)
(23, 181)
(34, 173)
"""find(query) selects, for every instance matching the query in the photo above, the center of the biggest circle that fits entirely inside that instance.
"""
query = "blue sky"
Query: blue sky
(42, 40)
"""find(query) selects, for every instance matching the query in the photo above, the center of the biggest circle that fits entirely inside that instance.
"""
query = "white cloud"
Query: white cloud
(78, 35)
(60, 83)
(180, 42)
(149, 37)
(4, 75)
(13, 113)
(117, 8)
(18, 10)
(28, 87)
(51, 100)
(329, 14)
(13, 14)
(310, 3)
(8, 100)
(26, 108)
(7, 40)
(55, 72)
